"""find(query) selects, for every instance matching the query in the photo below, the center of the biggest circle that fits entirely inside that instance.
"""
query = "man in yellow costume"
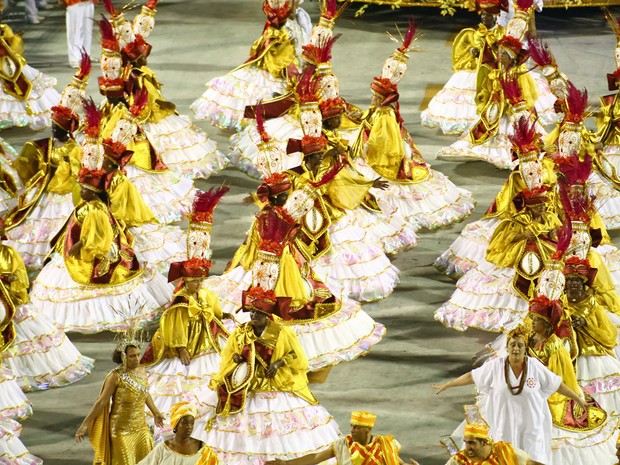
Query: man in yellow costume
(480, 450)
(358, 448)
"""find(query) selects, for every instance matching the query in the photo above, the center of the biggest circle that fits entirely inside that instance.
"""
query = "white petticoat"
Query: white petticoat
(453, 109)
(273, 425)
(13, 402)
(606, 200)
(12, 450)
(74, 307)
(224, 101)
(185, 147)
(31, 238)
(484, 299)
(168, 193)
(599, 376)
(42, 356)
(34, 112)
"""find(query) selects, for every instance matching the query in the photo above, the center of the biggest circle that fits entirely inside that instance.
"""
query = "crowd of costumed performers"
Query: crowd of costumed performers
(218, 368)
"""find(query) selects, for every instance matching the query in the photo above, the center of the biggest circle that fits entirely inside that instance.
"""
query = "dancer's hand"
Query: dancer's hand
(159, 419)
(439, 388)
(380, 184)
(238, 358)
(75, 250)
(273, 368)
(184, 356)
(80, 433)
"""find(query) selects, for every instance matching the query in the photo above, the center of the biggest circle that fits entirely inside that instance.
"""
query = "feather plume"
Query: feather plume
(539, 51)
(140, 100)
(331, 9)
(93, 117)
(108, 38)
(574, 171)
(327, 177)
(409, 36)
(511, 88)
(577, 102)
(564, 233)
(85, 66)
(151, 4)
(260, 122)
(325, 52)
(524, 133)
(524, 5)
(613, 22)
(205, 202)
(109, 7)
(307, 87)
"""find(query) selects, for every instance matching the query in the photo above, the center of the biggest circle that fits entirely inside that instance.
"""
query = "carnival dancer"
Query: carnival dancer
(93, 268)
(116, 423)
(40, 356)
(507, 93)
(361, 444)
(177, 142)
(166, 191)
(262, 381)
(26, 95)
(48, 169)
(423, 197)
(184, 353)
(480, 449)
(182, 449)
(331, 328)
(453, 109)
(517, 388)
(494, 294)
(265, 73)
(154, 243)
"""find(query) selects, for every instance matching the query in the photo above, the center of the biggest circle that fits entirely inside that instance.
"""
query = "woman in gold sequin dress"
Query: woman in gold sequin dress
(116, 423)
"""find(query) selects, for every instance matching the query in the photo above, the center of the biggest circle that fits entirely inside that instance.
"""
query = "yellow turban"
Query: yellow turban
(179, 410)
(477, 431)
(360, 418)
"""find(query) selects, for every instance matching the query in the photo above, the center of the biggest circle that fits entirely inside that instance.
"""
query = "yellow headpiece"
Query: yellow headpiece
(478, 431)
(180, 410)
(363, 419)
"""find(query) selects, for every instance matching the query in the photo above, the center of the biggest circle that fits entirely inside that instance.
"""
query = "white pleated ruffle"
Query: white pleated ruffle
(185, 147)
(168, 193)
(31, 238)
(224, 101)
(273, 425)
(599, 376)
(92, 309)
(13, 402)
(453, 109)
(34, 112)
(606, 200)
(158, 245)
(42, 356)
(484, 299)
(12, 450)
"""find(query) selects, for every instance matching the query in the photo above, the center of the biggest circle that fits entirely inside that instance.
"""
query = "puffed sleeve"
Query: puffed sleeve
(549, 381)
(483, 376)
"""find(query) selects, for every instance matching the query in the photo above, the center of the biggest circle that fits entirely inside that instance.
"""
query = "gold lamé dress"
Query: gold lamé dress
(120, 435)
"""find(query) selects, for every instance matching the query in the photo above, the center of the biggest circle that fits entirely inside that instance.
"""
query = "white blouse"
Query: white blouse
(163, 455)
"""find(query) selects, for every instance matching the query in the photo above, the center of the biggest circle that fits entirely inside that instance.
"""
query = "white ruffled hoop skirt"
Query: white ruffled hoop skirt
(42, 356)
(224, 101)
(599, 376)
(31, 238)
(13, 402)
(484, 299)
(34, 112)
(12, 450)
(185, 147)
(168, 193)
(273, 425)
(86, 309)
(453, 109)
(606, 200)
(158, 245)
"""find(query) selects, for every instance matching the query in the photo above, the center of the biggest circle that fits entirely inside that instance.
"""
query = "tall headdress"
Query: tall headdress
(122, 27)
(67, 113)
(518, 24)
(323, 31)
(277, 12)
(198, 236)
(134, 336)
(544, 59)
(91, 174)
(144, 22)
(525, 142)
(269, 158)
(311, 119)
(614, 23)
(111, 84)
(551, 281)
(569, 140)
